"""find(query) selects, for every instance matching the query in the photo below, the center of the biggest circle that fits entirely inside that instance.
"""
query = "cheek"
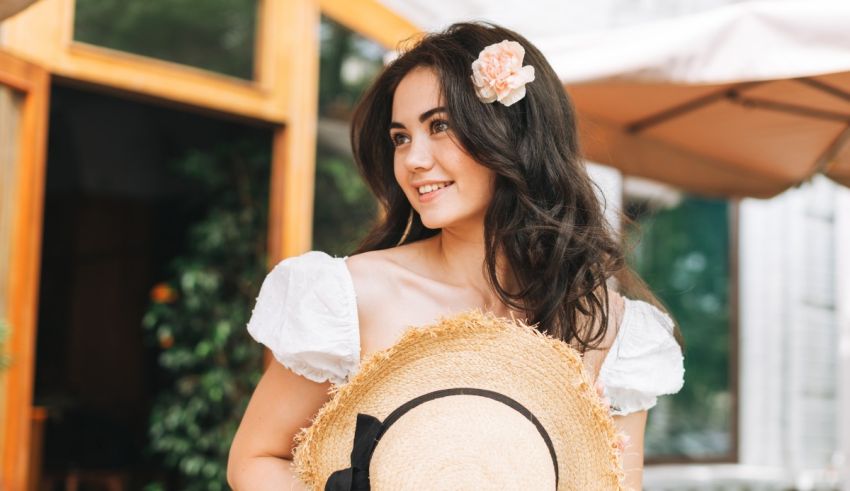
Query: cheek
(485, 183)
(398, 173)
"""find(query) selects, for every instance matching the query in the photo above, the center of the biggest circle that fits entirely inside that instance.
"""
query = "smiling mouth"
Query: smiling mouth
(434, 189)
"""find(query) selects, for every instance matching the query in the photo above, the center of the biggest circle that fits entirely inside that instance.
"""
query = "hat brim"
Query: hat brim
(487, 352)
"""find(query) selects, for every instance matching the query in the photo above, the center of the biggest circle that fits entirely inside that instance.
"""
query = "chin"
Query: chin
(432, 224)
(435, 221)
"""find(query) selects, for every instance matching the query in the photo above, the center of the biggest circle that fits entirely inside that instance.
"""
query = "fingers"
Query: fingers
(600, 389)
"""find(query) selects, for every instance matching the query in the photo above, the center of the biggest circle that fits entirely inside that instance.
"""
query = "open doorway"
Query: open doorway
(115, 215)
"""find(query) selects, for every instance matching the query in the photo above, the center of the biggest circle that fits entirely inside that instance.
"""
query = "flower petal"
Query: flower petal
(513, 96)
(527, 73)
(498, 73)
(486, 94)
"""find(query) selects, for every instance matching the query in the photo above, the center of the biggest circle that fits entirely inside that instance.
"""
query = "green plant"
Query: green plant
(198, 316)
(683, 254)
(216, 35)
(5, 330)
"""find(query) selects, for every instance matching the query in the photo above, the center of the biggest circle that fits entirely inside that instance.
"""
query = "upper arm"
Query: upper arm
(305, 314)
(644, 363)
(282, 404)
(633, 427)
(594, 357)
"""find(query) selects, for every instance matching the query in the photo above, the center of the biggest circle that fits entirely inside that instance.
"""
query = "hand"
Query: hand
(600, 389)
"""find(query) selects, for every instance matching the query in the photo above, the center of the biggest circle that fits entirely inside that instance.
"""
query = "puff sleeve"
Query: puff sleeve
(306, 314)
(644, 361)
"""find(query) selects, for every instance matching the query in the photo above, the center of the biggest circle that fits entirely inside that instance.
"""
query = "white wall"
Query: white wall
(842, 275)
(789, 330)
(794, 348)
(610, 182)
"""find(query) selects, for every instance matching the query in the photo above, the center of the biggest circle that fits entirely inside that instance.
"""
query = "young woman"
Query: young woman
(469, 142)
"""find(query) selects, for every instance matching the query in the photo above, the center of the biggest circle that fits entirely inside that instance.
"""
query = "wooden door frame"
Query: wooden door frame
(33, 83)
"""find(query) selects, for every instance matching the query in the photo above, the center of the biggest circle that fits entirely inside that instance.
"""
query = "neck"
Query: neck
(461, 252)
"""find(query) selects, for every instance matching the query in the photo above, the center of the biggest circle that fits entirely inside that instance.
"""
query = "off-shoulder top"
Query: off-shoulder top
(306, 314)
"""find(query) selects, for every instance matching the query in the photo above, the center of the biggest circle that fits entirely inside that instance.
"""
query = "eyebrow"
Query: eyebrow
(422, 117)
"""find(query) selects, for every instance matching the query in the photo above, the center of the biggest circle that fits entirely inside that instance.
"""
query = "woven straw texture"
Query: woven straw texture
(469, 442)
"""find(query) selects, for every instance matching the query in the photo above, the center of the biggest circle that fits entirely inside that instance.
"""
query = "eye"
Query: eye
(439, 125)
(397, 139)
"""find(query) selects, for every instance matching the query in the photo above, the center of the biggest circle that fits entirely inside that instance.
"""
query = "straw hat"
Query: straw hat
(475, 401)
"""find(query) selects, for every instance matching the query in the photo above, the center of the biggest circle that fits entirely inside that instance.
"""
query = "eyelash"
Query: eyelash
(394, 140)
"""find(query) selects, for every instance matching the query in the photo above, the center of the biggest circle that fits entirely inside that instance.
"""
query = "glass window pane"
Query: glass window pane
(681, 248)
(344, 207)
(216, 35)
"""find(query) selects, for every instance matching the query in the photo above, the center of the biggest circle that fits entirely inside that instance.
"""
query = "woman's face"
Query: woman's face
(427, 156)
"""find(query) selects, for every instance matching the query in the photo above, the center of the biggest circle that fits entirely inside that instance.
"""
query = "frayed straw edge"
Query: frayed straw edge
(473, 320)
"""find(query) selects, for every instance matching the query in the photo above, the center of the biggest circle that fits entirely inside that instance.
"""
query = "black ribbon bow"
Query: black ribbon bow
(369, 430)
(356, 477)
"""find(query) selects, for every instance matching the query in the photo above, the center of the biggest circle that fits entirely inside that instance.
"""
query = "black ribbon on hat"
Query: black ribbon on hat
(369, 430)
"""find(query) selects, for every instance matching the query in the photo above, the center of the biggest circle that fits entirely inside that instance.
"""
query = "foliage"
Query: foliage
(683, 254)
(198, 316)
(348, 63)
(217, 35)
(344, 207)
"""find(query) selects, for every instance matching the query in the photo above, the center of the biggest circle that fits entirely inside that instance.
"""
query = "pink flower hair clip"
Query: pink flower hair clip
(498, 74)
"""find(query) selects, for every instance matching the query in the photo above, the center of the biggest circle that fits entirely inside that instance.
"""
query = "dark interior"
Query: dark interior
(115, 214)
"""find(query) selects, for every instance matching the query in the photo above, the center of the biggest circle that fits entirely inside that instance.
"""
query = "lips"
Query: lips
(431, 186)
(430, 196)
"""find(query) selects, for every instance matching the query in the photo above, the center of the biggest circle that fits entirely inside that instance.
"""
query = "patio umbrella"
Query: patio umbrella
(9, 8)
(745, 100)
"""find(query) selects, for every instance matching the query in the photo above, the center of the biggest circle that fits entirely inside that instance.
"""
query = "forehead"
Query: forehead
(417, 92)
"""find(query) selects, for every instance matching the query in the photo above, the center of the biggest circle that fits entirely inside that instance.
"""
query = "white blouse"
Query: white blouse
(306, 314)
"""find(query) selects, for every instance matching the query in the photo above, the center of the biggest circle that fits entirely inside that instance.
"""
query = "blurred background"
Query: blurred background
(158, 157)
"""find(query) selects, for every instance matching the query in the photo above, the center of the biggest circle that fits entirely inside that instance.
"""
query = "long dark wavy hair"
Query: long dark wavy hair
(544, 218)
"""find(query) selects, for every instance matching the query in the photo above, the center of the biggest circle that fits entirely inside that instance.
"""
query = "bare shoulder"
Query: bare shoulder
(594, 357)
(374, 275)
(388, 293)
(616, 309)
(374, 267)
(379, 272)
(368, 273)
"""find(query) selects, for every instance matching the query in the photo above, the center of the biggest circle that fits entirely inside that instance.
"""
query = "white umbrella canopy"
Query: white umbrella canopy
(743, 100)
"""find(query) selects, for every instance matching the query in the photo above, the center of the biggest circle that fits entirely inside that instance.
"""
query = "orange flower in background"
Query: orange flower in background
(163, 293)
(166, 341)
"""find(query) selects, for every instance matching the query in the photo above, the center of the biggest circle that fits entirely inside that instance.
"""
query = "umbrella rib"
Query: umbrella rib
(787, 108)
(823, 162)
(824, 87)
(734, 95)
(687, 107)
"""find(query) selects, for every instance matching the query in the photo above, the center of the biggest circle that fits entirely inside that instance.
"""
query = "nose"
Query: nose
(419, 156)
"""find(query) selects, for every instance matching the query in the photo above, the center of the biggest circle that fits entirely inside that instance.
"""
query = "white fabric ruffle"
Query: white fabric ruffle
(306, 314)
(644, 361)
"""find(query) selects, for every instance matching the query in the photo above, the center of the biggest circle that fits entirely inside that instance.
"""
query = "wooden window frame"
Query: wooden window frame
(33, 83)
(284, 91)
(44, 33)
